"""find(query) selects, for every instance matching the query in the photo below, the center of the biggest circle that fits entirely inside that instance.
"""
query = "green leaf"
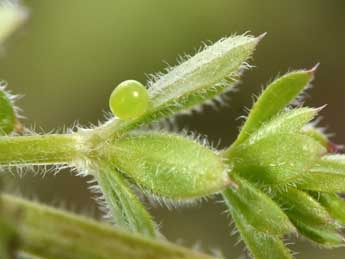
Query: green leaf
(330, 164)
(125, 207)
(328, 175)
(169, 165)
(327, 237)
(260, 245)
(276, 160)
(317, 135)
(273, 100)
(7, 112)
(200, 78)
(47, 232)
(286, 122)
(12, 15)
(334, 204)
(257, 209)
(301, 207)
(9, 238)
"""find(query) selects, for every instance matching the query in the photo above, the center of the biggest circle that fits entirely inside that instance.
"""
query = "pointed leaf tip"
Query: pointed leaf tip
(279, 94)
(198, 80)
(314, 69)
(261, 36)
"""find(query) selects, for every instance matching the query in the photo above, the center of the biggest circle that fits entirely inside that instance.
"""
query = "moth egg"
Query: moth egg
(129, 100)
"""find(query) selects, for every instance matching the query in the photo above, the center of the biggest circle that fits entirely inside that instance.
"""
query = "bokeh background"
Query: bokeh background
(70, 55)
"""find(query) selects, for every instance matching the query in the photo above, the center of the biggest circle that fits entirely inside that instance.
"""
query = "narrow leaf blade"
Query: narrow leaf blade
(126, 209)
(273, 100)
(300, 206)
(203, 74)
(334, 204)
(323, 236)
(258, 210)
(261, 246)
(287, 122)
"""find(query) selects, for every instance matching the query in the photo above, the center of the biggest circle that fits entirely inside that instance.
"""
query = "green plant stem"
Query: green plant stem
(50, 233)
(38, 150)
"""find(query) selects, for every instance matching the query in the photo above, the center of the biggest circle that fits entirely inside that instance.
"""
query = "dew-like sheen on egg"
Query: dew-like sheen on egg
(129, 100)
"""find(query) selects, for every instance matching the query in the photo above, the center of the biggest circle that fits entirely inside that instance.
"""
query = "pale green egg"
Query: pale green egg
(129, 100)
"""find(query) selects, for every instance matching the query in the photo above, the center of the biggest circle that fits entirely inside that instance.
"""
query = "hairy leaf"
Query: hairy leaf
(273, 100)
(260, 245)
(7, 112)
(200, 78)
(276, 160)
(287, 122)
(334, 204)
(328, 175)
(169, 165)
(125, 207)
(328, 237)
(257, 209)
(300, 206)
(316, 134)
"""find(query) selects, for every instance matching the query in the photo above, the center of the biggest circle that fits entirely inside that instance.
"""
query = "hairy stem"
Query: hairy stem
(50, 233)
(39, 150)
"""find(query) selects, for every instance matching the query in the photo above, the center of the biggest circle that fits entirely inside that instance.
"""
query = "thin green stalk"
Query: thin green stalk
(38, 150)
(50, 233)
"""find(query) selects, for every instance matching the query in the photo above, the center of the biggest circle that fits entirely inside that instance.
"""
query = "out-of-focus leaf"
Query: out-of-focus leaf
(12, 15)
(8, 238)
(7, 112)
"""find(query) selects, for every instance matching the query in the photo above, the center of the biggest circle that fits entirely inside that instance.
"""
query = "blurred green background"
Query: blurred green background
(70, 55)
